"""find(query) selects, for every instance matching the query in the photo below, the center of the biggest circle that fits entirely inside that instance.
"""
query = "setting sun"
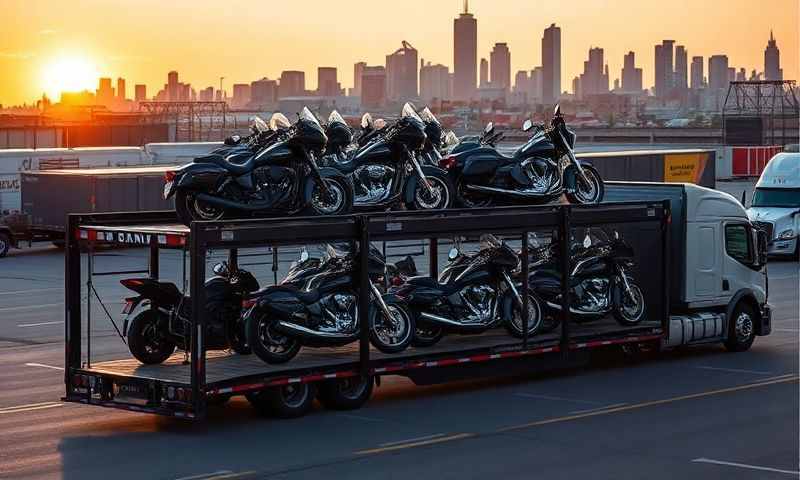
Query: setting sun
(68, 74)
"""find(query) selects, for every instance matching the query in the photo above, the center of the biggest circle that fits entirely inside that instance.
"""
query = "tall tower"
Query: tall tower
(772, 60)
(484, 78)
(465, 55)
(501, 66)
(551, 64)
(401, 73)
(681, 68)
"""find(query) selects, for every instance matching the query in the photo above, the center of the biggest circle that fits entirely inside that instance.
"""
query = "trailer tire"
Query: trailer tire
(287, 401)
(5, 244)
(345, 393)
(141, 342)
(741, 328)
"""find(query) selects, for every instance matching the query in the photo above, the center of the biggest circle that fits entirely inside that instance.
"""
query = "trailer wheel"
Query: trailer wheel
(287, 401)
(5, 244)
(345, 393)
(741, 328)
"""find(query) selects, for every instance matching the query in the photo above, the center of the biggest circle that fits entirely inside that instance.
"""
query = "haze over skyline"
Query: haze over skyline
(243, 40)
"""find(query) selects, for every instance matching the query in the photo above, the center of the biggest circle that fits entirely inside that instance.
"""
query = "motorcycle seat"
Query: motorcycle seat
(237, 163)
(429, 282)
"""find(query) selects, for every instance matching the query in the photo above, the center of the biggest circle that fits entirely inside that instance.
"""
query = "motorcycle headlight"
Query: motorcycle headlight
(786, 234)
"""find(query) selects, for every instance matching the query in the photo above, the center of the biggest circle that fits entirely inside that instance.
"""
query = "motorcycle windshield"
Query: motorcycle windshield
(309, 117)
(334, 117)
(410, 112)
(260, 125)
(428, 117)
(279, 122)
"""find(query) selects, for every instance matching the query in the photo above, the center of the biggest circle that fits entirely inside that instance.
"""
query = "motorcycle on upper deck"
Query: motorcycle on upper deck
(280, 178)
(539, 171)
(386, 171)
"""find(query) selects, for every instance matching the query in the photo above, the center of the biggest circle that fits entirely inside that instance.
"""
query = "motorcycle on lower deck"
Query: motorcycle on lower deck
(539, 171)
(386, 171)
(321, 309)
(601, 280)
(280, 178)
(163, 323)
(473, 294)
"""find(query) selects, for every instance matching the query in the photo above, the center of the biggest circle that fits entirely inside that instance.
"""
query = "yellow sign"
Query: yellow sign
(684, 167)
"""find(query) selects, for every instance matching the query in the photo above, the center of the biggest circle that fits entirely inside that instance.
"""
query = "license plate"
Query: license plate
(128, 308)
(167, 188)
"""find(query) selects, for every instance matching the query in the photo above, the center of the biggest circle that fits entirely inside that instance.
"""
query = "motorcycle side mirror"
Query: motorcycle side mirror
(304, 255)
(587, 241)
(527, 126)
(453, 254)
(616, 235)
(489, 128)
(221, 269)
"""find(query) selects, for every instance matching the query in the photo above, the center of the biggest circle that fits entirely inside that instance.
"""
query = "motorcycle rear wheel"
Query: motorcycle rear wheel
(427, 336)
(587, 194)
(471, 200)
(190, 209)
(267, 343)
(145, 342)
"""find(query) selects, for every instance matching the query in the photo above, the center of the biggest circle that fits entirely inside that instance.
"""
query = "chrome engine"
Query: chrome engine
(593, 295)
(340, 313)
(481, 300)
(273, 183)
(373, 183)
(539, 183)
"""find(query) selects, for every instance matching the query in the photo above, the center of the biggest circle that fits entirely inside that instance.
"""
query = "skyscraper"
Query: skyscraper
(501, 66)
(121, 89)
(631, 76)
(241, 95)
(718, 72)
(373, 87)
(772, 60)
(594, 79)
(484, 78)
(551, 64)
(263, 93)
(697, 73)
(358, 71)
(434, 82)
(292, 84)
(172, 86)
(522, 82)
(536, 84)
(328, 82)
(465, 55)
(664, 68)
(401, 73)
(140, 93)
(105, 92)
(681, 68)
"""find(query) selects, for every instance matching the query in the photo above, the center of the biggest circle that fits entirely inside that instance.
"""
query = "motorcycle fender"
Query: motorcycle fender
(200, 177)
(135, 301)
(413, 181)
(324, 172)
(571, 176)
(279, 301)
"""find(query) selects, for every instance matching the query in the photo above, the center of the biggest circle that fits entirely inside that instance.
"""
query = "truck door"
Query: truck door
(738, 260)
(703, 260)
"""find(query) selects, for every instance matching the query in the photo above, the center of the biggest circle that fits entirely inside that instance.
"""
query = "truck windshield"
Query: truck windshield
(777, 197)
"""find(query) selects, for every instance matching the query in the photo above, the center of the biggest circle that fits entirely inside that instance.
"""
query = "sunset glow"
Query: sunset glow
(68, 74)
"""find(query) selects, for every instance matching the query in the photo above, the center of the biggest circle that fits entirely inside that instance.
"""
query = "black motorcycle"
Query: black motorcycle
(540, 171)
(385, 169)
(473, 294)
(164, 321)
(282, 178)
(324, 312)
(601, 281)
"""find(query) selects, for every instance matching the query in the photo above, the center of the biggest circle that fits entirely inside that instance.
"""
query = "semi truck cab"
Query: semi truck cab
(775, 206)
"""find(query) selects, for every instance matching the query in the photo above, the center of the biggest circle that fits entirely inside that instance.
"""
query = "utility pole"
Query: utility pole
(221, 92)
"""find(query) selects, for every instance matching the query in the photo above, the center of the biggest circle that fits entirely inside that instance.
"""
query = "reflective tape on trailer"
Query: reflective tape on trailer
(130, 238)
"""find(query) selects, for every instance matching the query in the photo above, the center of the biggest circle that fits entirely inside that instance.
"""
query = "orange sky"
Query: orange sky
(248, 39)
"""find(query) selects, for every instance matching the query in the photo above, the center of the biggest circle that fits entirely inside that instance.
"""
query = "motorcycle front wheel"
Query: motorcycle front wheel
(438, 198)
(590, 192)
(535, 317)
(337, 201)
(190, 209)
(267, 342)
(630, 311)
(391, 335)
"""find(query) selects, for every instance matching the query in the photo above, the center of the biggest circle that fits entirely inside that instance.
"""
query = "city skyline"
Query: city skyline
(435, 46)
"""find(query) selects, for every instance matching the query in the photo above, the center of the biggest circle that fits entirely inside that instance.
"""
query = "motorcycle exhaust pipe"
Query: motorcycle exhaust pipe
(511, 193)
(303, 332)
(221, 202)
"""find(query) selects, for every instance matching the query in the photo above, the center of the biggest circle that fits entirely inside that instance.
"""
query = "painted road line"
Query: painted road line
(600, 408)
(30, 407)
(412, 440)
(636, 406)
(735, 370)
(204, 475)
(559, 399)
(746, 466)
(42, 365)
(360, 417)
(422, 443)
(30, 307)
(21, 292)
(25, 325)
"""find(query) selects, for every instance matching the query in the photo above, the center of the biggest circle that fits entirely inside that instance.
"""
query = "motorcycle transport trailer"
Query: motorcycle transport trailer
(184, 387)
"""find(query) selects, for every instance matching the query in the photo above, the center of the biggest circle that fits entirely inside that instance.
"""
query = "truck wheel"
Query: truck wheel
(5, 244)
(287, 401)
(146, 342)
(345, 393)
(741, 328)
